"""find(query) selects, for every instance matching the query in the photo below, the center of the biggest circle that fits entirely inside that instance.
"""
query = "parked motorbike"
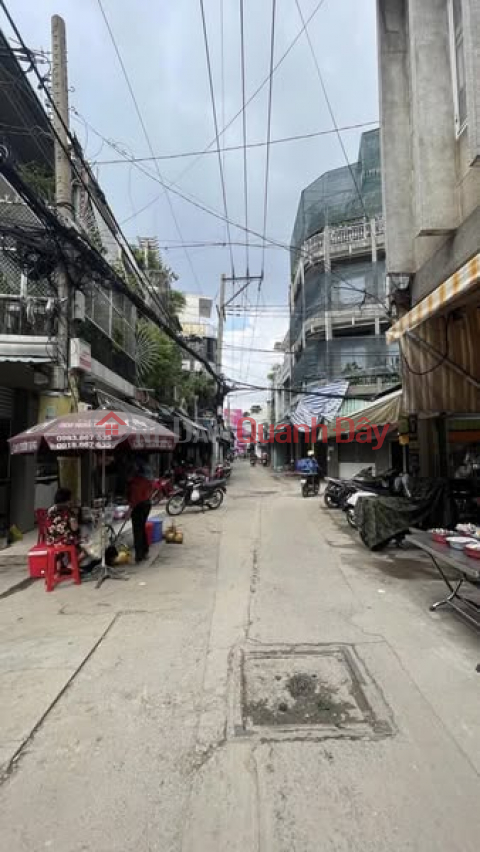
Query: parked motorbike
(338, 491)
(351, 502)
(389, 483)
(264, 459)
(181, 471)
(162, 488)
(197, 491)
(224, 470)
(332, 496)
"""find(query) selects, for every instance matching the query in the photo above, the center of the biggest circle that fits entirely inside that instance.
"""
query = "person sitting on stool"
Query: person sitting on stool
(139, 494)
(63, 527)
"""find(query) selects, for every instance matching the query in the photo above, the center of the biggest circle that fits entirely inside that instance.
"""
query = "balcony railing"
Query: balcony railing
(343, 240)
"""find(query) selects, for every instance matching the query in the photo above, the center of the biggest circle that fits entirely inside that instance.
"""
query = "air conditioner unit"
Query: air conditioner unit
(79, 306)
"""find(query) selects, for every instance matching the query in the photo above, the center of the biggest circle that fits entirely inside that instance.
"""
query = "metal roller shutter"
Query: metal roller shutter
(6, 403)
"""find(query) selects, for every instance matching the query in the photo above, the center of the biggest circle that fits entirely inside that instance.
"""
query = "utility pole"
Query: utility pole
(221, 321)
(222, 305)
(63, 186)
(218, 366)
(69, 469)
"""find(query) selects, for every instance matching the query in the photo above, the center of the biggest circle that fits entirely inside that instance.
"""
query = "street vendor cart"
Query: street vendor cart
(99, 432)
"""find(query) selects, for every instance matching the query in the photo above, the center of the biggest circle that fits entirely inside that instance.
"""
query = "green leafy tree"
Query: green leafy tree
(200, 386)
(177, 302)
(159, 361)
(40, 180)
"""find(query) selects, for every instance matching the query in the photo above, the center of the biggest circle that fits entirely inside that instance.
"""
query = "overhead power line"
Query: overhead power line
(330, 108)
(145, 133)
(249, 101)
(215, 122)
(269, 126)
(74, 146)
(66, 235)
(240, 386)
(217, 215)
(71, 234)
(244, 129)
(267, 172)
(267, 242)
(271, 243)
(265, 351)
(265, 239)
(227, 149)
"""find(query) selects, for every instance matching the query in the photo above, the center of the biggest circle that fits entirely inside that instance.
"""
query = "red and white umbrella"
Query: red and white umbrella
(94, 430)
(97, 431)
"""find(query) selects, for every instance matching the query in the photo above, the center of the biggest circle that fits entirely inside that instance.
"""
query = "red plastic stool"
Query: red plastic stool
(41, 516)
(37, 560)
(52, 576)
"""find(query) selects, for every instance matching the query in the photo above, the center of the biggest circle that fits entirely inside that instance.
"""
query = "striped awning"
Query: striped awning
(322, 402)
(384, 410)
(460, 282)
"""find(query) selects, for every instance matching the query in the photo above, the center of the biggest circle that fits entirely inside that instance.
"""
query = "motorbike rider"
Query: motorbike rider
(310, 467)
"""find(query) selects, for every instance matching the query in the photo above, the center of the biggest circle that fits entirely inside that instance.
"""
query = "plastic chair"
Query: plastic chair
(41, 522)
(52, 576)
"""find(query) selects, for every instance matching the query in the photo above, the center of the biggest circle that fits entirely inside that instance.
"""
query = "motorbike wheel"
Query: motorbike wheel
(351, 518)
(329, 501)
(216, 500)
(175, 505)
(304, 490)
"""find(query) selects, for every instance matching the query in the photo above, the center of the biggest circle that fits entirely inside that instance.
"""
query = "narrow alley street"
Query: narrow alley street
(150, 715)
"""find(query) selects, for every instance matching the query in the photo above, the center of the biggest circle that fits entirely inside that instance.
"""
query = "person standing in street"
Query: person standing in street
(139, 498)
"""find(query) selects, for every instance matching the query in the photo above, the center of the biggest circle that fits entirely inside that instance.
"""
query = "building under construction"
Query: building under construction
(337, 293)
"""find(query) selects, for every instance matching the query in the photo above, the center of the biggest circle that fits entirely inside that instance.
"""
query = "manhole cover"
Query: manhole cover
(319, 693)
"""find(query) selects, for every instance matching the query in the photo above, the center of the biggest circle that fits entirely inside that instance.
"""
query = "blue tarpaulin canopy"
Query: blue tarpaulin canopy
(323, 403)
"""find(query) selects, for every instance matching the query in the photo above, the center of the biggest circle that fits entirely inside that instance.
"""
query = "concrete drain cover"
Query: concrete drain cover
(308, 692)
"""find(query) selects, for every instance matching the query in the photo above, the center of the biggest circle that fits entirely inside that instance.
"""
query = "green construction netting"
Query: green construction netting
(333, 199)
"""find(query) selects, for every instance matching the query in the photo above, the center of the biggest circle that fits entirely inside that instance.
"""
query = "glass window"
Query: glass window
(457, 49)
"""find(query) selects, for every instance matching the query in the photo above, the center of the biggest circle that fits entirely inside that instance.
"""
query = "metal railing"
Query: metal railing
(27, 317)
(115, 316)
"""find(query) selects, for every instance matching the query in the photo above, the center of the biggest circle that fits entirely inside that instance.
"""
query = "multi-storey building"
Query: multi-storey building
(198, 330)
(338, 301)
(102, 323)
(337, 294)
(429, 52)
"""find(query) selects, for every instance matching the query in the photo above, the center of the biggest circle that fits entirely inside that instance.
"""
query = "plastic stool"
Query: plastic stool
(52, 576)
(41, 516)
(37, 560)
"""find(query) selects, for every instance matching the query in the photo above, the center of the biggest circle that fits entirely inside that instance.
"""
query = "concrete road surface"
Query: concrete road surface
(270, 686)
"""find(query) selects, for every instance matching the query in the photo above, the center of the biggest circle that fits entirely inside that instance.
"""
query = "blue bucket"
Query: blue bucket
(157, 532)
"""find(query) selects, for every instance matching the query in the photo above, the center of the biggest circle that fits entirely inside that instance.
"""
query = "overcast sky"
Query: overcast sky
(161, 43)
